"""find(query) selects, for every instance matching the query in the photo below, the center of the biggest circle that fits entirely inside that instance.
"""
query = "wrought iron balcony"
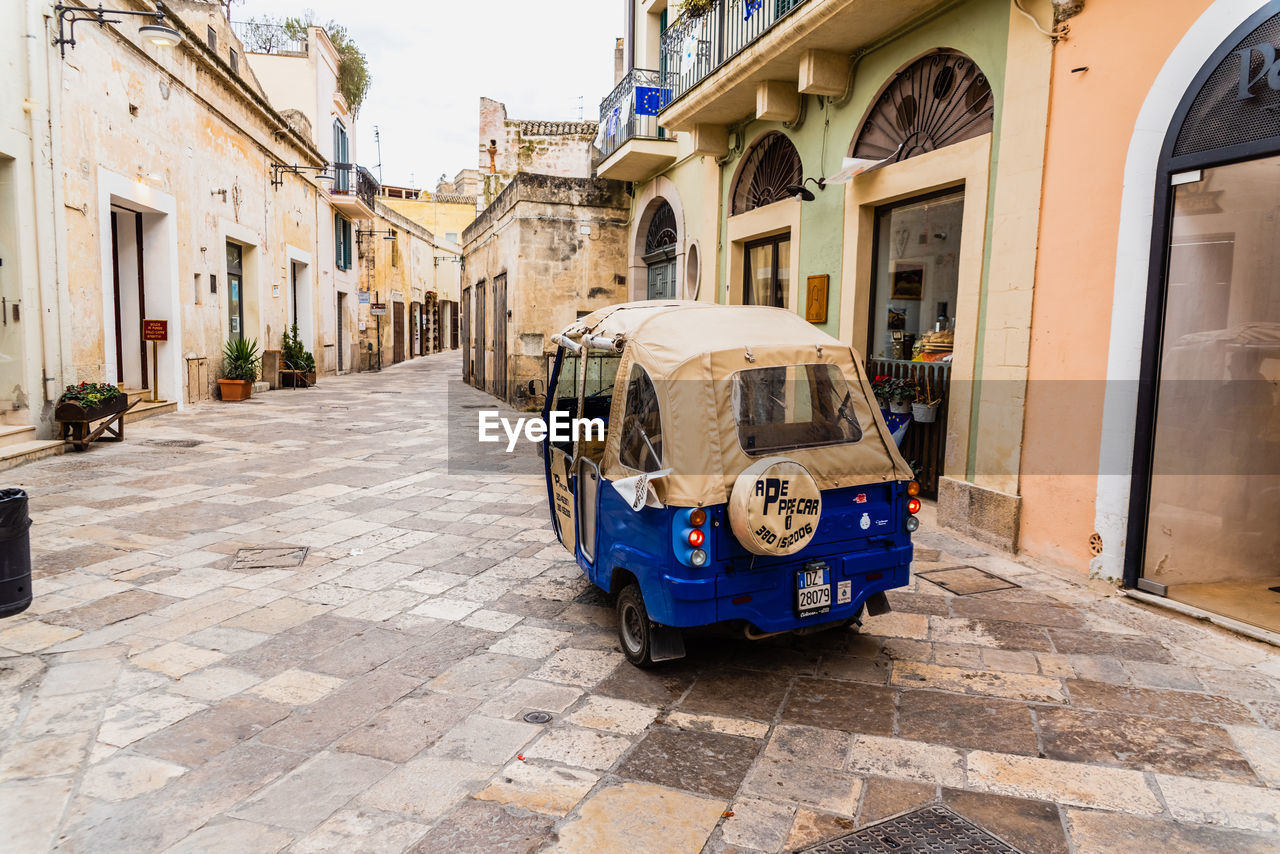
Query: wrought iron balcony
(631, 109)
(354, 189)
(692, 48)
(635, 148)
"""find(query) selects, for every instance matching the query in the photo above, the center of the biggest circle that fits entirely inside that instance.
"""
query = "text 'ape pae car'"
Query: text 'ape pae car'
(744, 474)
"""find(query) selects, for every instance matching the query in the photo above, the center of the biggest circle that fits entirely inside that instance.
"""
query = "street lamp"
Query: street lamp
(157, 32)
(279, 170)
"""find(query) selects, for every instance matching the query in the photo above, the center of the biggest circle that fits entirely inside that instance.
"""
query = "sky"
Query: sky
(432, 60)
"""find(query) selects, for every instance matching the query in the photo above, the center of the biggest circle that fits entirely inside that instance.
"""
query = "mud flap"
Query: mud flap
(877, 604)
(666, 643)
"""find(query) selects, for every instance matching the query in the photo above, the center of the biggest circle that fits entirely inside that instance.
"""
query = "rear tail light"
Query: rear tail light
(689, 536)
(913, 506)
(913, 522)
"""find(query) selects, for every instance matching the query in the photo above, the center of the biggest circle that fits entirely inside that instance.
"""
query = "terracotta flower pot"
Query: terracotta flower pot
(235, 389)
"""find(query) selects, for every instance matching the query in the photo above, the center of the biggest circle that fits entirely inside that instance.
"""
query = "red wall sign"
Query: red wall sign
(155, 330)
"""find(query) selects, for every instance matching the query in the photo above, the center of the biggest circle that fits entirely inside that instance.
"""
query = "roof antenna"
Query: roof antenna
(377, 141)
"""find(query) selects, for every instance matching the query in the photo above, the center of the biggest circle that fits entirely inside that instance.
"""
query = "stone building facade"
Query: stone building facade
(511, 146)
(169, 209)
(548, 250)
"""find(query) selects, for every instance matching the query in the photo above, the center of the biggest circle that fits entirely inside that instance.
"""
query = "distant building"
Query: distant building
(549, 246)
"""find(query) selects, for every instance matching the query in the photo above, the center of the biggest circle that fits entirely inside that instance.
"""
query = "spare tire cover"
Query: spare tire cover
(775, 507)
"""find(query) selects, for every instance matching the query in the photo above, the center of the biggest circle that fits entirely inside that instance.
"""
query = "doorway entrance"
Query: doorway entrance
(342, 345)
(397, 332)
(130, 297)
(1214, 491)
(477, 369)
(911, 330)
(235, 291)
(465, 334)
(660, 253)
(500, 367)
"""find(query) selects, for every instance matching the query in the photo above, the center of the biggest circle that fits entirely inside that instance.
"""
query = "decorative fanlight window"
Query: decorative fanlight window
(939, 100)
(662, 230)
(772, 165)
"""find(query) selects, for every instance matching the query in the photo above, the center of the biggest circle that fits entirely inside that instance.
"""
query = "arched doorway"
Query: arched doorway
(660, 244)
(938, 100)
(1205, 492)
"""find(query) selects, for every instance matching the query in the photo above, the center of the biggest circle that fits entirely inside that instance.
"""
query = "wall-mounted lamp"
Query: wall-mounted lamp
(388, 234)
(800, 191)
(452, 259)
(279, 170)
(68, 16)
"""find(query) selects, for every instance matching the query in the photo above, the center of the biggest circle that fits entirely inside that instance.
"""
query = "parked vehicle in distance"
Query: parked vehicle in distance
(745, 474)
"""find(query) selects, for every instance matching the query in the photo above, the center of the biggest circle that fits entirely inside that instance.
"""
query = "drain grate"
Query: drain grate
(173, 443)
(935, 830)
(286, 557)
(967, 580)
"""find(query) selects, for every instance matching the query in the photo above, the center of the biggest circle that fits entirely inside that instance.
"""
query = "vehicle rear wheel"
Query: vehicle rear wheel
(634, 629)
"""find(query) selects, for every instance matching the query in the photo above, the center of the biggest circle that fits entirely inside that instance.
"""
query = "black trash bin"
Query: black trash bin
(15, 553)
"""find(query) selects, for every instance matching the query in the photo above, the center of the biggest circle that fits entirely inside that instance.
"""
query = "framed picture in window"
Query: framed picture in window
(906, 280)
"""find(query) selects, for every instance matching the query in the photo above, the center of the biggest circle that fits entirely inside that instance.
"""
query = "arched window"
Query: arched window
(662, 229)
(938, 100)
(772, 165)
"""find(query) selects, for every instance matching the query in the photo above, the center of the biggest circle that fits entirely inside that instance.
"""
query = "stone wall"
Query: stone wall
(561, 242)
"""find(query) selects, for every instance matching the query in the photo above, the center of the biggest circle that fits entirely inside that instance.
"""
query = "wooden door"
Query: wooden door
(464, 332)
(500, 336)
(397, 332)
(477, 369)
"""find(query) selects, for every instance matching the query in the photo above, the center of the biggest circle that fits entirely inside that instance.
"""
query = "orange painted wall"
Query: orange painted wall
(1091, 120)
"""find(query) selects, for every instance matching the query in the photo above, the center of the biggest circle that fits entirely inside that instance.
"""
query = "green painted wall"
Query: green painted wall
(978, 28)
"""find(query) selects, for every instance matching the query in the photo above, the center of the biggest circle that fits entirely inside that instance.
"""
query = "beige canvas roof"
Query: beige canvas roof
(693, 353)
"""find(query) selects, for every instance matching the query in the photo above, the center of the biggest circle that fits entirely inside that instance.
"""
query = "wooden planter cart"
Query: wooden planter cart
(77, 421)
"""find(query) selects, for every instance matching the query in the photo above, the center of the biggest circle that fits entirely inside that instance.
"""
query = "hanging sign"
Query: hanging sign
(378, 309)
(155, 330)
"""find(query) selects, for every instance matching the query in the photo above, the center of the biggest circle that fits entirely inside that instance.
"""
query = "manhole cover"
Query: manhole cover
(537, 717)
(270, 558)
(173, 443)
(966, 580)
(932, 829)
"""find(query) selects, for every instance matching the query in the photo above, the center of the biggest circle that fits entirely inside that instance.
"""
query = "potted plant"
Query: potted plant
(694, 9)
(298, 365)
(239, 369)
(89, 402)
(925, 408)
(894, 393)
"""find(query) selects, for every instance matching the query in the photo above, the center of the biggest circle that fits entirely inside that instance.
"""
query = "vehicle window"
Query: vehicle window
(641, 447)
(602, 372)
(793, 406)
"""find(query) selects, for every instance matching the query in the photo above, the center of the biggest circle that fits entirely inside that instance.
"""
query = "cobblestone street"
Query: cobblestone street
(165, 693)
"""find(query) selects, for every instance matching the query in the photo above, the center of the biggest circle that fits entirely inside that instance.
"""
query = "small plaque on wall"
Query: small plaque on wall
(815, 302)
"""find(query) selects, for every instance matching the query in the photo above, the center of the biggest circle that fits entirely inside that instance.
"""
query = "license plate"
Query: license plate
(813, 590)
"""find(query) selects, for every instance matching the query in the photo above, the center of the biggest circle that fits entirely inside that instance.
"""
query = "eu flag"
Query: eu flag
(650, 100)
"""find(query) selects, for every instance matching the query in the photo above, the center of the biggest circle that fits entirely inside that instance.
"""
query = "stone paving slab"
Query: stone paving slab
(161, 696)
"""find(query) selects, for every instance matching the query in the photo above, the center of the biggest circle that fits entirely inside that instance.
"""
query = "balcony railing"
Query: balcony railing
(693, 48)
(352, 180)
(631, 109)
(269, 38)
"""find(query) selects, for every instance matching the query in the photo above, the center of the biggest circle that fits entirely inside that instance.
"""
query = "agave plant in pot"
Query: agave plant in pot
(240, 359)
